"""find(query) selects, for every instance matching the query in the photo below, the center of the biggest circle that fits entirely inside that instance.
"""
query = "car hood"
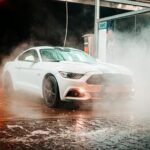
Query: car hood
(79, 67)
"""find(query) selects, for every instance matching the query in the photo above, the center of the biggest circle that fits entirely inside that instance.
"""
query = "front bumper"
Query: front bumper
(80, 90)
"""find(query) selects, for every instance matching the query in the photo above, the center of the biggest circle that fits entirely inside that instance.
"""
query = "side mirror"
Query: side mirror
(30, 59)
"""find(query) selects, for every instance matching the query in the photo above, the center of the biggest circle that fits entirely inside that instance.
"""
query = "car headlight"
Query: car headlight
(71, 75)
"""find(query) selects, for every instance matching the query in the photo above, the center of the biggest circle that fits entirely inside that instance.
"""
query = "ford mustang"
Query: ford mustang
(66, 74)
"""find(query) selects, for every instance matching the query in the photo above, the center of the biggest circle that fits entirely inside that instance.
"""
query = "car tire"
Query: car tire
(8, 85)
(50, 91)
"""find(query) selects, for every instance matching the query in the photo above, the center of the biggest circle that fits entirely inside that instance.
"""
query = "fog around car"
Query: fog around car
(133, 54)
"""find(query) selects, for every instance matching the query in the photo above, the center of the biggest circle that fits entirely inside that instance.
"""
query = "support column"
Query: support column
(97, 17)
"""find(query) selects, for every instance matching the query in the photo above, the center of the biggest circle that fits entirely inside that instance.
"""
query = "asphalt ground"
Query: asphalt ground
(27, 123)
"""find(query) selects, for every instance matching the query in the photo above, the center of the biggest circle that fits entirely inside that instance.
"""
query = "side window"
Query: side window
(30, 55)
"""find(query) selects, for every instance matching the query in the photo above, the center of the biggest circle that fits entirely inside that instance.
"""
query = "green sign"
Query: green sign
(102, 25)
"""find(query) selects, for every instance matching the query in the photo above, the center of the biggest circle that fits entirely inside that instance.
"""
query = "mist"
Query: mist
(133, 51)
(127, 50)
(27, 23)
(39, 24)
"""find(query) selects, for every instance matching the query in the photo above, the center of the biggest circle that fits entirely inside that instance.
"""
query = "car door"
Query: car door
(29, 71)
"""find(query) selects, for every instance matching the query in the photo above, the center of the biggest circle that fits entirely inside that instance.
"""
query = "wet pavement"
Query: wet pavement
(27, 123)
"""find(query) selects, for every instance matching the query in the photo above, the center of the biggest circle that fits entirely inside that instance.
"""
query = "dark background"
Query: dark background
(42, 22)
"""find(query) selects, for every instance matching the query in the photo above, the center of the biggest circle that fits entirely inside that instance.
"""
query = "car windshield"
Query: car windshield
(65, 54)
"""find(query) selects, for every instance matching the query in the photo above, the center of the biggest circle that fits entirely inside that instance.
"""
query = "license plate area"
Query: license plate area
(116, 89)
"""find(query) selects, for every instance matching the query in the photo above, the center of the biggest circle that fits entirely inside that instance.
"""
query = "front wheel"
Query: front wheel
(50, 91)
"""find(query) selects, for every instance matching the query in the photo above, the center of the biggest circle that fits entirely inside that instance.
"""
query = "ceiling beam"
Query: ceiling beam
(119, 4)
(124, 15)
(130, 2)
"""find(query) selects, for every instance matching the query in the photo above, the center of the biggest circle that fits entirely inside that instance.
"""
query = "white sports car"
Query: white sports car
(66, 74)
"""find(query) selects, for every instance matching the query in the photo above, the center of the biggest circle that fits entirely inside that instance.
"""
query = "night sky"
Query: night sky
(42, 22)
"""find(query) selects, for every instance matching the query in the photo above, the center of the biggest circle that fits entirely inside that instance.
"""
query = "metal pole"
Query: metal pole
(97, 14)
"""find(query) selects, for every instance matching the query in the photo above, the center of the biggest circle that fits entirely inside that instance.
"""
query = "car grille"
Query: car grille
(109, 79)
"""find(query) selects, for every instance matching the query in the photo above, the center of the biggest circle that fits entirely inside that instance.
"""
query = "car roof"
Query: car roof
(40, 47)
(45, 47)
(57, 47)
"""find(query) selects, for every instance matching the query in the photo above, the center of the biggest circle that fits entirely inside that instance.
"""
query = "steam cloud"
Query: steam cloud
(134, 52)
(25, 23)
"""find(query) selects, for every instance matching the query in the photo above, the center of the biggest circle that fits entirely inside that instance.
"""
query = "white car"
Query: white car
(65, 74)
